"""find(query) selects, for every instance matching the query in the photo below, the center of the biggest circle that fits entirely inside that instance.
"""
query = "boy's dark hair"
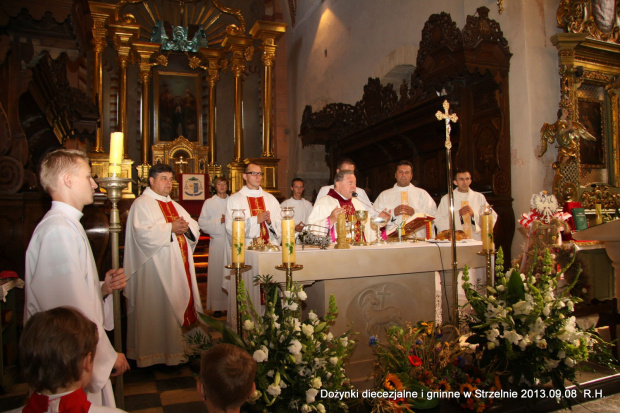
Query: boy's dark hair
(53, 346)
(227, 374)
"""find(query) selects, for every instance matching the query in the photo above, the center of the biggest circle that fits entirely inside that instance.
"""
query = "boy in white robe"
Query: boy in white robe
(163, 300)
(467, 204)
(302, 206)
(56, 353)
(212, 221)
(61, 270)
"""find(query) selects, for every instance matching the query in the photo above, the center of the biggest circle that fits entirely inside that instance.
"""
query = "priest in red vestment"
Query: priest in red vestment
(162, 294)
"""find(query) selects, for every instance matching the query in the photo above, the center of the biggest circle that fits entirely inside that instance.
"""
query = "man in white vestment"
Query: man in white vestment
(262, 221)
(347, 164)
(340, 200)
(61, 270)
(162, 294)
(467, 205)
(405, 199)
(302, 206)
(212, 221)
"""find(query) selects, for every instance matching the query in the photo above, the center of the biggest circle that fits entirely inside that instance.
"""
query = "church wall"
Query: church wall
(335, 46)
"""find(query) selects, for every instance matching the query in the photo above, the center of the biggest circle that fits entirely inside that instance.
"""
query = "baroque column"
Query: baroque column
(268, 33)
(215, 62)
(145, 51)
(100, 14)
(238, 45)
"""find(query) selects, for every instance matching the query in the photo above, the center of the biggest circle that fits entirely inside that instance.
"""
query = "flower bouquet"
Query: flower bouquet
(419, 365)
(297, 360)
(525, 330)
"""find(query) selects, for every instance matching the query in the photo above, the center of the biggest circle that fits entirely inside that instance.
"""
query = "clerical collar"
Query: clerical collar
(402, 188)
(67, 209)
(252, 192)
(155, 195)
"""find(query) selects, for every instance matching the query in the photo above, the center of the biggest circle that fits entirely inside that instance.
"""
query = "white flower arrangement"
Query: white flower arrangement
(296, 358)
(524, 327)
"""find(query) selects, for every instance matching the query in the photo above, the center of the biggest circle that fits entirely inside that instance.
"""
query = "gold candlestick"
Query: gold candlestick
(114, 186)
(289, 273)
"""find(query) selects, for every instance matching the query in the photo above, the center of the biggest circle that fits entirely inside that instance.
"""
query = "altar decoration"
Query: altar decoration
(525, 330)
(428, 362)
(296, 358)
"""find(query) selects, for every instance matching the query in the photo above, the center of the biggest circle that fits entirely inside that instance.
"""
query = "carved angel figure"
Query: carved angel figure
(566, 133)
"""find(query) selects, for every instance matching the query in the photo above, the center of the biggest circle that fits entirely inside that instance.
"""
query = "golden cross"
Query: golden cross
(181, 164)
(445, 115)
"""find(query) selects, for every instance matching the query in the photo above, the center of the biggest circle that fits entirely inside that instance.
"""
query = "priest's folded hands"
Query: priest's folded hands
(180, 226)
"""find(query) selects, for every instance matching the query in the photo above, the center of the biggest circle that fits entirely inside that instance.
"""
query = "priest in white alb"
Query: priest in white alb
(347, 164)
(262, 223)
(212, 222)
(162, 294)
(405, 199)
(467, 205)
(61, 270)
(340, 200)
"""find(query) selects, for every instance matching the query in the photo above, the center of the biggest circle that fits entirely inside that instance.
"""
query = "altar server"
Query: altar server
(405, 199)
(212, 221)
(61, 270)
(302, 206)
(162, 294)
(467, 204)
(56, 354)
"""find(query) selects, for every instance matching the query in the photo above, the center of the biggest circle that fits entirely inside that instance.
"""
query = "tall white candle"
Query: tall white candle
(116, 153)
(288, 241)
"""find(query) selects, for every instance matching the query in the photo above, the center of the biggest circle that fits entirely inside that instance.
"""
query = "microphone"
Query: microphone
(371, 211)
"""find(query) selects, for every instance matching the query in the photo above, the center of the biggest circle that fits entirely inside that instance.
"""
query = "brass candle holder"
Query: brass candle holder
(289, 268)
(114, 186)
(239, 269)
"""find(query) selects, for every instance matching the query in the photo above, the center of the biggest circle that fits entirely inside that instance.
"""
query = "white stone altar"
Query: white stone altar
(375, 287)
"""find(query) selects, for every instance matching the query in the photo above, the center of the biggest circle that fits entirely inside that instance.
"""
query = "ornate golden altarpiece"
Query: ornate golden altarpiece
(589, 60)
(184, 157)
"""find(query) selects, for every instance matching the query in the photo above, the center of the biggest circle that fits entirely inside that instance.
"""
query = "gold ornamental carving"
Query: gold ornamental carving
(596, 18)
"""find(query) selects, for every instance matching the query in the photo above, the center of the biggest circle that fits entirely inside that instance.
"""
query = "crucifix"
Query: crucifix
(447, 117)
(181, 164)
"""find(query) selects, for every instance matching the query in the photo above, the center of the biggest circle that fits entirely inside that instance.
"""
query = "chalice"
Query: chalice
(377, 223)
(361, 217)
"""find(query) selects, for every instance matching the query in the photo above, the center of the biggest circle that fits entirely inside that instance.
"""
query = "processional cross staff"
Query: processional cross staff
(447, 117)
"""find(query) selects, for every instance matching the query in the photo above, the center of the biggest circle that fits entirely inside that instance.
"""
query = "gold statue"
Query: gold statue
(566, 133)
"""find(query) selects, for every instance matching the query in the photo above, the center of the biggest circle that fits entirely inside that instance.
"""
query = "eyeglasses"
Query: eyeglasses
(255, 173)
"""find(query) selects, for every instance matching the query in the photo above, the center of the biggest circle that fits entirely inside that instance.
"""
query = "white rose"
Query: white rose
(248, 325)
(287, 294)
(311, 394)
(270, 373)
(295, 347)
(542, 344)
(302, 295)
(317, 383)
(561, 354)
(260, 355)
(274, 390)
(307, 329)
(306, 409)
(320, 408)
(293, 306)
(330, 336)
(569, 362)
(500, 287)
(333, 360)
(312, 316)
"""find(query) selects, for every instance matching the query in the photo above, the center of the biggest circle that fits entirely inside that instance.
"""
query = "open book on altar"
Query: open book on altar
(414, 223)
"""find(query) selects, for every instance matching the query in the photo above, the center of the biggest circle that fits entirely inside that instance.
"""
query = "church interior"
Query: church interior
(208, 86)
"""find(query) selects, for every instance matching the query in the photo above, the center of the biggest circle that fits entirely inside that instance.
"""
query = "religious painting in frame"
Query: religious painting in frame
(177, 106)
(592, 154)
(193, 187)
